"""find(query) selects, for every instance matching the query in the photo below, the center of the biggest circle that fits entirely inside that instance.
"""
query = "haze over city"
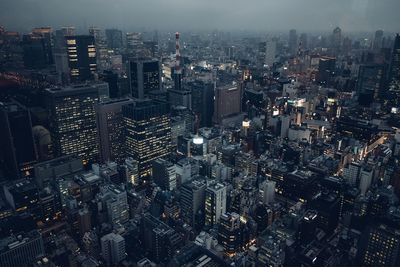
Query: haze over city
(253, 15)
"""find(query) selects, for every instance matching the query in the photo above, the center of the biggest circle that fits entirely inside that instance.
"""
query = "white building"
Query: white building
(113, 248)
(215, 203)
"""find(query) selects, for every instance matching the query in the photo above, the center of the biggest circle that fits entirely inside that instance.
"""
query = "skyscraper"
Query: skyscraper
(111, 129)
(370, 84)
(228, 101)
(144, 76)
(148, 133)
(378, 39)
(73, 119)
(203, 102)
(394, 69)
(215, 203)
(17, 147)
(114, 38)
(81, 51)
(293, 42)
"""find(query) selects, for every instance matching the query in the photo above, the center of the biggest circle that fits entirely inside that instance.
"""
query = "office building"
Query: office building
(111, 129)
(228, 102)
(380, 246)
(192, 202)
(21, 250)
(229, 233)
(73, 119)
(113, 248)
(203, 102)
(272, 252)
(160, 240)
(215, 203)
(37, 51)
(144, 76)
(148, 133)
(17, 147)
(114, 201)
(81, 51)
(164, 174)
(114, 38)
(267, 192)
(370, 83)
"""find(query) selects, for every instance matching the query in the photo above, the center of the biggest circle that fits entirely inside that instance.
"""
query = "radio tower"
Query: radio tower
(178, 69)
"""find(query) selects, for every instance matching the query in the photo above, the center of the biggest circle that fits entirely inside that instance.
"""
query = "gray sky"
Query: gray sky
(258, 15)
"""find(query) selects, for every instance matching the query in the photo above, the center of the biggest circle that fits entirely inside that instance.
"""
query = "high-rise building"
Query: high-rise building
(144, 76)
(394, 69)
(228, 102)
(326, 69)
(21, 250)
(378, 40)
(37, 51)
(336, 40)
(272, 252)
(380, 246)
(203, 102)
(148, 133)
(370, 84)
(113, 248)
(133, 41)
(114, 38)
(17, 147)
(215, 203)
(192, 202)
(81, 51)
(73, 119)
(293, 42)
(111, 129)
(164, 174)
(229, 233)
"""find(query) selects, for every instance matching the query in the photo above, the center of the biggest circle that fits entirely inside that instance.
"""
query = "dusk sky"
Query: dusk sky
(264, 15)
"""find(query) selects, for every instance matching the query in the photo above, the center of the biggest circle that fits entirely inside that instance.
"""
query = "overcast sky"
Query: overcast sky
(258, 15)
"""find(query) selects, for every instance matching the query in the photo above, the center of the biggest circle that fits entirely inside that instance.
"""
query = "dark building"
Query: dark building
(17, 147)
(73, 119)
(203, 102)
(326, 69)
(380, 246)
(114, 38)
(148, 133)
(293, 42)
(21, 250)
(192, 202)
(394, 69)
(362, 130)
(81, 51)
(111, 129)
(164, 174)
(37, 51)
(144, 76)
(160, 240)
(370, 84)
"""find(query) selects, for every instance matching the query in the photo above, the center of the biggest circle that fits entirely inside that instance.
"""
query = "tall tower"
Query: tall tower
(178, 69)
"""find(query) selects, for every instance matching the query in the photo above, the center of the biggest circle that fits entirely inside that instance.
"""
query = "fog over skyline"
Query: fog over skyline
(253, 15)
